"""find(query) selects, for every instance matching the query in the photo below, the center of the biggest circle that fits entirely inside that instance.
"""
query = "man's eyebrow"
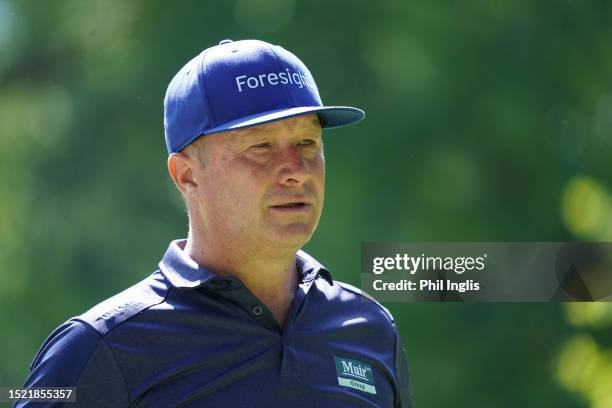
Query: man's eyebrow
(315, 125)
(234, 134)
(250, 132)
(241, 137)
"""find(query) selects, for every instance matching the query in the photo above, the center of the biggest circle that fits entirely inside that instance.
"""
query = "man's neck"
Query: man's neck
(272, 279)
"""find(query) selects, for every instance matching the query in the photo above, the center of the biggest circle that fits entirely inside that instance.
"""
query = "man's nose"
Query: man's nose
(293, 167)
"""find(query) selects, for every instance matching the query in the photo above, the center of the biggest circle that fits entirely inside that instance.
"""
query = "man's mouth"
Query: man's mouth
(290, 205)
(296, 206)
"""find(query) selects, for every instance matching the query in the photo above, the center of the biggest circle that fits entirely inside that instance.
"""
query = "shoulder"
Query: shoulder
(76, 352)
(63, 359)
(110, 313)
(74, 338)
(340, 293)
(366, 298)
(75, 355)
(345, 299)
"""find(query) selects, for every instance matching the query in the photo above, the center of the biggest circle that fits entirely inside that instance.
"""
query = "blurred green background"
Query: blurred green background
(486, 120)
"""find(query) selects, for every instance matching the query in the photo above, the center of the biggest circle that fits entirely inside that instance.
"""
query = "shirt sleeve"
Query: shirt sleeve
(402, 371)
(75, 355)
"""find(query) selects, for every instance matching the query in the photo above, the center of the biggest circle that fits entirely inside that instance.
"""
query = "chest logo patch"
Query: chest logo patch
(355, 374)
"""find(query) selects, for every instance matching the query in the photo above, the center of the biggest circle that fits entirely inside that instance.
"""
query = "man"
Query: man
(237, 315)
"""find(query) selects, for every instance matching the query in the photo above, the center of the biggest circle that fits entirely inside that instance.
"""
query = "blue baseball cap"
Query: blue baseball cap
(238, 84)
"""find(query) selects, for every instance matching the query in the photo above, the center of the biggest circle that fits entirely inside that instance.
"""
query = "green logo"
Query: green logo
(355, 374)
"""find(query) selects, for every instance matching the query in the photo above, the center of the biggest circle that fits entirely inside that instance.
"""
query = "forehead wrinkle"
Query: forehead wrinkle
(291, 123)
(294, 127)
(233, 137)
(299, 121)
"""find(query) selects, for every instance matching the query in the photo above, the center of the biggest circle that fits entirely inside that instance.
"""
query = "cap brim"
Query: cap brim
(330, 117)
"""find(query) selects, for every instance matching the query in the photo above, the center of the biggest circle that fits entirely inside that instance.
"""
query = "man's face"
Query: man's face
(262, 186)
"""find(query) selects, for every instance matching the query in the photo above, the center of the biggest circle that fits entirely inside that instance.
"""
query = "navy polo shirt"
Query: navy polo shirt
(186, 337)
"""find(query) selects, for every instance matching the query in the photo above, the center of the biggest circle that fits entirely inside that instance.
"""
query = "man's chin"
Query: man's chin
(291, 236)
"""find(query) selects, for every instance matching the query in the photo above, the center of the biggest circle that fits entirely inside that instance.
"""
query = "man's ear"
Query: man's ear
(180, 167)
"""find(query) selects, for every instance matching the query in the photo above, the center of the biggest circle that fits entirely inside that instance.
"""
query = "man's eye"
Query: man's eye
(260, 145)
(306, 142)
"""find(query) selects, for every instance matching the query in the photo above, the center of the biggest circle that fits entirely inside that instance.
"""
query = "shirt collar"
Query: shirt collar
(184, 272)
